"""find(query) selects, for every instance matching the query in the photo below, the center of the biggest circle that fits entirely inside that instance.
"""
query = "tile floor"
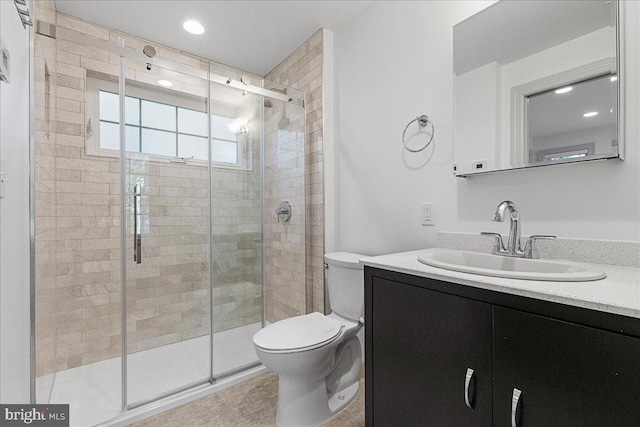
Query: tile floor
(249, 404)
(93, 391)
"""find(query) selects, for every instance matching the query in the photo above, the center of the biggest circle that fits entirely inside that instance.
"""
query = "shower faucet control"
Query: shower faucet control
(284, 209)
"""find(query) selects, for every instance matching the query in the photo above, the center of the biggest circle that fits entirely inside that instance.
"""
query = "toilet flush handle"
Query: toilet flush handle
(361, 321)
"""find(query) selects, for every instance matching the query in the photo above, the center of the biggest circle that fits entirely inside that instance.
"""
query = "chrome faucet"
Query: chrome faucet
(514, 246)
(513, 243)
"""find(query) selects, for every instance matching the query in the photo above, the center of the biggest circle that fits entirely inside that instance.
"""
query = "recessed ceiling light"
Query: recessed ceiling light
(590, 114)
(165, 83)
(614, 78)
(193, 27)
(564, 89)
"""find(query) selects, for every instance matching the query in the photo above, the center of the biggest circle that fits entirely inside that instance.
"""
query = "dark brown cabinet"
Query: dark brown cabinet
(568, 375)
(424, 342)
(423, 336)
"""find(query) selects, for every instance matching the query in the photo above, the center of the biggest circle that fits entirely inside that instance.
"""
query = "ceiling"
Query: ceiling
(254, 36)
(557, 114)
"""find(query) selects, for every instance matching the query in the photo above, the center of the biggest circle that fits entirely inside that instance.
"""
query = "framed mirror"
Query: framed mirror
(536, 83)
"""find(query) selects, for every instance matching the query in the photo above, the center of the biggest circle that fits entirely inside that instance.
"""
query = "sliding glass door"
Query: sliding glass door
(167, 295)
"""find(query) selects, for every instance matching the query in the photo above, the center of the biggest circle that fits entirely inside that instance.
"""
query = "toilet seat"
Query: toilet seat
(298, 333)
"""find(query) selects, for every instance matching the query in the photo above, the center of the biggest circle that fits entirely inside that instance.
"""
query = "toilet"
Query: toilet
(317, 357)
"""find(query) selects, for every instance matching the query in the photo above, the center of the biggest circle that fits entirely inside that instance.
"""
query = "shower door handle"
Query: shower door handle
(137, 224)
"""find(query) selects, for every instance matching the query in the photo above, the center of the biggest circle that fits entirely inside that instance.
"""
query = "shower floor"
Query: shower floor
(93, 391)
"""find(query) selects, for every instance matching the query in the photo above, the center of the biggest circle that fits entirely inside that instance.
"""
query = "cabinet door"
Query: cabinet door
(568, 375)
(423, 343)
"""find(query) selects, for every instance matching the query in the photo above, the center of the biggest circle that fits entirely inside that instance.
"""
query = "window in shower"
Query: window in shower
(164, 126)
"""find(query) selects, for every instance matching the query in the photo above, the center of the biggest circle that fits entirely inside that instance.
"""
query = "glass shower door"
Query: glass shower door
(237, 236)
(167, 298)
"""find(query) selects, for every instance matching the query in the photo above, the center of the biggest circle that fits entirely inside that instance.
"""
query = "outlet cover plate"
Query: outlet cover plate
(428, 214)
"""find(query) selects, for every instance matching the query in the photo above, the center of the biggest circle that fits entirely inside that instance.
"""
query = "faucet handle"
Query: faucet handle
(498, 244)
(530, 251)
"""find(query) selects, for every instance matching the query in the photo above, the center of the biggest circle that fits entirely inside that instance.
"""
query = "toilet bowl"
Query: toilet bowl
(317, 357)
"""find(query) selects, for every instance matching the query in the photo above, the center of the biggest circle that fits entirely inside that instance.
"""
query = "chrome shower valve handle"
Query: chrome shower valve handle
(284, 209)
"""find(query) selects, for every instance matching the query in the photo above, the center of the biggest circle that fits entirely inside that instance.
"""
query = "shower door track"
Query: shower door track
(139, 57)
(160, 396)
(195, 384)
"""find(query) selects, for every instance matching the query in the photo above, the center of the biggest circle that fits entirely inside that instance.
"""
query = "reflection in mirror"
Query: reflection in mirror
(514, 63)
(573, 122)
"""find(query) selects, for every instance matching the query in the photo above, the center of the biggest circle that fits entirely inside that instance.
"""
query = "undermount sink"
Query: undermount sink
(510, 267)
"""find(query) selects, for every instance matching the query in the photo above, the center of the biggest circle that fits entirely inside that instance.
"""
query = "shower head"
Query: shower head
(149, 51)
(267, 101)
(282, 91)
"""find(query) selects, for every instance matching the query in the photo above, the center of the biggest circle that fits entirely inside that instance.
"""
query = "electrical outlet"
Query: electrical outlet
(428, 212)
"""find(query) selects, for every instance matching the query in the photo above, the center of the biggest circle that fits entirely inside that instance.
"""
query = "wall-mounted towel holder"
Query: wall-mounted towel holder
(423, 121)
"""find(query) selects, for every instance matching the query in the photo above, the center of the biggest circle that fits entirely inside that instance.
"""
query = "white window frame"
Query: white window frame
(92, 140)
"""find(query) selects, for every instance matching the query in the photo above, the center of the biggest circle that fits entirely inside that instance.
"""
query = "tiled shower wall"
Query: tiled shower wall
(77, 222)
(284, 249)
(302, 70)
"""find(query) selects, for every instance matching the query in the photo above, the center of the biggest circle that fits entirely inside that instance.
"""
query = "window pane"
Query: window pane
(159, 116)
(192, 146)
(110, 137)
(109, 107)
(131, 110)
(220, 130)
(193, 122)
(158, 142)
(133, 138)
(224, 151)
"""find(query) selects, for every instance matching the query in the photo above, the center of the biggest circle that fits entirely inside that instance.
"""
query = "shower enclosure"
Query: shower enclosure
(158, 250)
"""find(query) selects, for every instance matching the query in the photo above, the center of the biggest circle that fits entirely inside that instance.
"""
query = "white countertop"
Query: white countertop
(618, 293)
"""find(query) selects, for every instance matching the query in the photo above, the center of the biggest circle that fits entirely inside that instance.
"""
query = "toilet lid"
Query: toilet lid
(297, 332)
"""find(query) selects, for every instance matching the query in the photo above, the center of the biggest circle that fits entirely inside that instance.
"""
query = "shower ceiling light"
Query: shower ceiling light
(590, 114)
(193, 27)
(165, 83)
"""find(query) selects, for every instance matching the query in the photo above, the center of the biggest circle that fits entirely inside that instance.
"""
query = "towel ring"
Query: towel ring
(423, 121)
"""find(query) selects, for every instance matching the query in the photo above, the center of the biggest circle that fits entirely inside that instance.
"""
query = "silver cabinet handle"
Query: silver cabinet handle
(467, 381)
(515, 399)
(137, 224)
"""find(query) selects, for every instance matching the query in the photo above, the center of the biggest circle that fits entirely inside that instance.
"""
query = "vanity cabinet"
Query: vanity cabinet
(581, 368)
(424, 343)
(568, 374)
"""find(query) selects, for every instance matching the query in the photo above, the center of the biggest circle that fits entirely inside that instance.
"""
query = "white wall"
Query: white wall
(394, 62)
(14, 213)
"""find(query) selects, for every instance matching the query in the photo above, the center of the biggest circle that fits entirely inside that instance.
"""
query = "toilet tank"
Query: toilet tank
(345, 284)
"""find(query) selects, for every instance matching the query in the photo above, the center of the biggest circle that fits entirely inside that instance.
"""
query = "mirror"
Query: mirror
(536, 83)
